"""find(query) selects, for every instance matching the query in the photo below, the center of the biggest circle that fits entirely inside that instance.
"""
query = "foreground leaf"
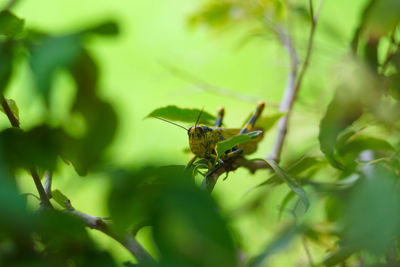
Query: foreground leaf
(236, 140)
(10, 25)
(59, 197)
(175, 113)
(13, 106)
(266, 122)
(279, 242)
(291, 182)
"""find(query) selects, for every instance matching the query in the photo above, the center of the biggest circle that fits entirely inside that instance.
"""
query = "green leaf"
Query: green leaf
(338, 256)
(285, 201)
(59, 197)
(6, 64)
(214, 14)
(38, 147)
(13, 106)
(10, 25)
(349, 150)
(236, 140)
(359, 89)
(381, 18)
(189, 230)
(294, 169)
(290, 181)
(109, 28)
(175, 113)
(279, 242)
(49, 56)
(266, 122)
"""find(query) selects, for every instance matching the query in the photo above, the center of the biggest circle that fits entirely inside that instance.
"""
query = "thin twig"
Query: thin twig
(126, 240)
(48, 177)
(43, 196)
(294, 82)
(305, 246)
(10, 4)
(36, 179)
(209, 182)
(10, 115)
(208, 87)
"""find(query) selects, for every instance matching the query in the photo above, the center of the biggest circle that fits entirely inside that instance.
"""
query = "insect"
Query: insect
(203, 140)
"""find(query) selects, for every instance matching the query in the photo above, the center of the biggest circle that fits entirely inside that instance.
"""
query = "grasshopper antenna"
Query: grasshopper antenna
(198, 118)
(170, 122)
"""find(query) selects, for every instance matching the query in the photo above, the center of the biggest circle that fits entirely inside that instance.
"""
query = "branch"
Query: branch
(10, 115)
(36, 179)
(10, 4)
(48, 178)
(43, 196)
(97, 223)
(252, 165)
(207, 87)
(294, 81)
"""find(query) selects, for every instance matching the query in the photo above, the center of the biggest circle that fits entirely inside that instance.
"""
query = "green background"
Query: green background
(134, 79)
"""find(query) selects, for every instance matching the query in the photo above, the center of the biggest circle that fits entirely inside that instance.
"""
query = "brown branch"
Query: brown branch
(209, 182)
(10, 115)
(294, 82)
(126, 240)
(10, 4)
(36, 179)
(48, 178)
(42, 193)
(210, 88)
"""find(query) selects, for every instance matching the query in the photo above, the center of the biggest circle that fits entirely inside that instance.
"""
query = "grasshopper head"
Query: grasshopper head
(199, 140)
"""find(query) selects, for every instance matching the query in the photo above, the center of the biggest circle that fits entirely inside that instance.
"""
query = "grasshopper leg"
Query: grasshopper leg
(252, 121)
(220, 117)
(190, 163)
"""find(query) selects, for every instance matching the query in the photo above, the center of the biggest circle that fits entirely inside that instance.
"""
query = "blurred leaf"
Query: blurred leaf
(338, 256)
(266, 122)
(214, 14)
(381, 18)
(10, 25)
(13, 106)
(134, 193)
(278, 243)
(49, 56)
(341, 113)
(189, 230)
(65, 239)
(236, 140)
(6, 63)
(38, 147)
(175, 113)
(59, 197)
(106, 28)
(359, 89)
(100, 117)
(285, 201)
(349, 150)
(14, 217)
(334, 207)
(290, 181)
(294, 169)
(371, 219)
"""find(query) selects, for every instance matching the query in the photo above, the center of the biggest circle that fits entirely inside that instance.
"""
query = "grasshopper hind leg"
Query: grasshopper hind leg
(220, 117)
(252, 121)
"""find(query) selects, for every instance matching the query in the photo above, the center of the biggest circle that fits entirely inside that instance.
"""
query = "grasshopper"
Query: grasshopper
(203, 140)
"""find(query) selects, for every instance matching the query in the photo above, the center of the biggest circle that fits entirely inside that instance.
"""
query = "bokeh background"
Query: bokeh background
(136, 79)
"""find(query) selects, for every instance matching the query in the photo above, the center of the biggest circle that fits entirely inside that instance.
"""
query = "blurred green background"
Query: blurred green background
(135, 80)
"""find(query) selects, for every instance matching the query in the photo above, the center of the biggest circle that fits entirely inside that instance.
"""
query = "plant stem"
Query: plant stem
(10, 115)
(294, 82)
(36, 179)
(126, 240)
